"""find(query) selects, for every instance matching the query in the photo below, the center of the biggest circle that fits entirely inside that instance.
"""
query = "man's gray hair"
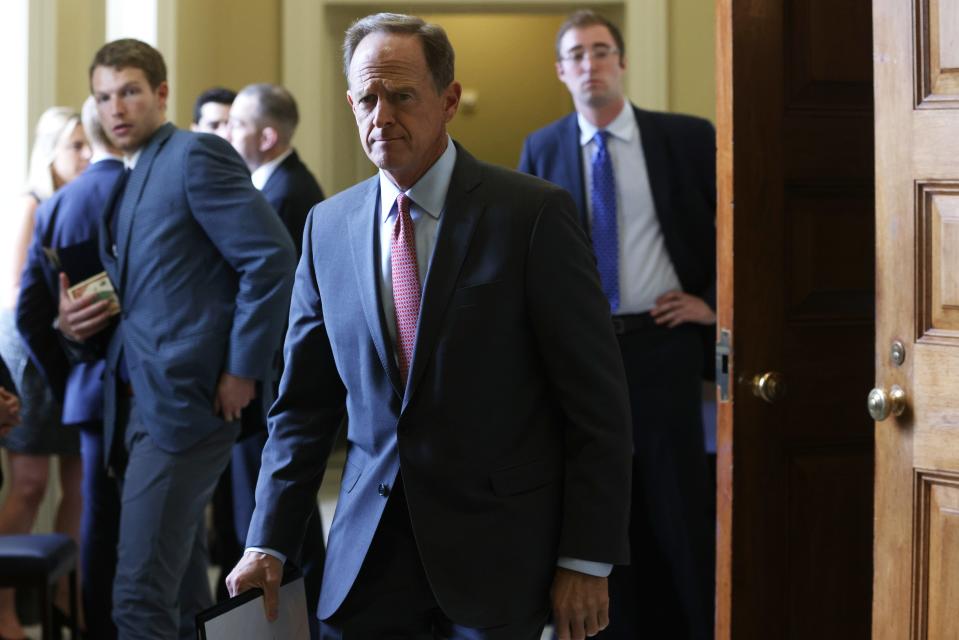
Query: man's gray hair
(275, 107)
(436, 45)
(91, 125)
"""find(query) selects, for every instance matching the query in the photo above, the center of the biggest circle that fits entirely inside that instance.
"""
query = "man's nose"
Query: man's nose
(383, 114)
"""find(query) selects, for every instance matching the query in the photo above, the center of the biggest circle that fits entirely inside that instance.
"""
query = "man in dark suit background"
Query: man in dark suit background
(263, 120)
(70, 222)
(488, 462)
(211, 111)
(644, 184)
(203, 269)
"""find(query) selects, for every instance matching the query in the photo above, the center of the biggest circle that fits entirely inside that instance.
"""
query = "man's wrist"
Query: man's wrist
(270, 552)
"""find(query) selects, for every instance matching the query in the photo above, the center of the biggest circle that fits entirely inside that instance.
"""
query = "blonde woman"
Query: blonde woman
(60, 153)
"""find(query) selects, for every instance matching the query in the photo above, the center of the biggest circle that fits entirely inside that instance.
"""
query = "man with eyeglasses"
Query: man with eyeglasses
(644, 184)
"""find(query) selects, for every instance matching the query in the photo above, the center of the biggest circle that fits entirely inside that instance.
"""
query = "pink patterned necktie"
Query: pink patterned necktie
(406, 284)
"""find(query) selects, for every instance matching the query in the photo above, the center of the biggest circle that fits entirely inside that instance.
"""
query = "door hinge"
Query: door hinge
(723, 354)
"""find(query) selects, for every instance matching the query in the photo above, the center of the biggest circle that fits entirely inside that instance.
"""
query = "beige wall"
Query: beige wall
(229, 43)
(692, 40)
(81, 28)
(507, 61)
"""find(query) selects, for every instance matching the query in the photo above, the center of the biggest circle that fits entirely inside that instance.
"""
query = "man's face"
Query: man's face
(399, 114)
(244, 133)
(129, 109)
(214, 118)
(596, 80)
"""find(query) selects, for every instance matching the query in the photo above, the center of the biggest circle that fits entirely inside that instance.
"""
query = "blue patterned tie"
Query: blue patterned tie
(605, 235)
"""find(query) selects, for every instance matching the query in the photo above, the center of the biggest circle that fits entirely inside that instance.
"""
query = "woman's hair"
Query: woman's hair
(55, 125)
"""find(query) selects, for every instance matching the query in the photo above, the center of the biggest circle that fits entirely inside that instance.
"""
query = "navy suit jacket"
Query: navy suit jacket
(70, 217)
(203, 269)
(512, 433)
(680, 154)
(292, 191)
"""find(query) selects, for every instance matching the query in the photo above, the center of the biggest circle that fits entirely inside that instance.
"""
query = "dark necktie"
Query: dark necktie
(605, 232)
(121, 187)
(114, 212)
(406, 284)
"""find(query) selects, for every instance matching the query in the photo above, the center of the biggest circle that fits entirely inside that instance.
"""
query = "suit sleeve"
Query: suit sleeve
(526, 158)
(575, 337)
(36, 311)
(252, 240)
(303, 422)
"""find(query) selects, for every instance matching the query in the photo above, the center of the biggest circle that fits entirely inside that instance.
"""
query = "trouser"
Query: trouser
(668, 589)
(161, 582)
(99, 524)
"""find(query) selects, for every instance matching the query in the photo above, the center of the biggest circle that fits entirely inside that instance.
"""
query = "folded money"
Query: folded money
(101, 287)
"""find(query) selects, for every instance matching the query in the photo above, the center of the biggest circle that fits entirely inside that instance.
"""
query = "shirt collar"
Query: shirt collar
(429, 192)
(99, 156)
(623, 126)
(263, 172)
(130, 161)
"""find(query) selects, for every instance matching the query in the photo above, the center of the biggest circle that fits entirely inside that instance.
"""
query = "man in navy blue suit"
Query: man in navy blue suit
(487, 475)
(644, 185)
(263, 120)
(70, 221)
(203, 270)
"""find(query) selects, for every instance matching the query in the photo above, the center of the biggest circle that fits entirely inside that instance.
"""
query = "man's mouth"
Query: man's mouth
(122, 129)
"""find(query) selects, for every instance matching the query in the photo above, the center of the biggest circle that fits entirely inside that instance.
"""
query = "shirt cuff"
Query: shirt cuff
(597, 569)
(270, 552)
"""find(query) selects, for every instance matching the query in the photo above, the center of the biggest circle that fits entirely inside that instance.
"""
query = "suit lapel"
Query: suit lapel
(132, 193)
(657, 162)
(364, 240)
(460, 216)
(572, 159)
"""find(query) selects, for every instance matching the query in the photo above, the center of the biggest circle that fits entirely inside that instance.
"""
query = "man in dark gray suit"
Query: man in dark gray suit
(489, 455)
(202, 268)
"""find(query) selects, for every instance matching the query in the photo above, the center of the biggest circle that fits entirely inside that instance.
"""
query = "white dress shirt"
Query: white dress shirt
(263, 172)
(645, 270)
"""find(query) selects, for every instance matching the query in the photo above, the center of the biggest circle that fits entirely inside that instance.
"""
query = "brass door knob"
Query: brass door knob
(769, 386)
(882, 403)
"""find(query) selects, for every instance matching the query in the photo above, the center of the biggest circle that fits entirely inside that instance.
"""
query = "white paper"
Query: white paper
(248, 621)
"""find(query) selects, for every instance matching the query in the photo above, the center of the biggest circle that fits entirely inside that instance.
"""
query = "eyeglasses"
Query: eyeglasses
(599, 53)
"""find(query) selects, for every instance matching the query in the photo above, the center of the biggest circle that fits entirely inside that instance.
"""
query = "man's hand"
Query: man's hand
(233, 393)
(257, 570)
(81, 318)
(676, 307)
(580, 604)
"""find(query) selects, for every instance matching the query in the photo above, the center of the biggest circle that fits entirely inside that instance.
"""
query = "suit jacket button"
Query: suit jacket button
(383, 489)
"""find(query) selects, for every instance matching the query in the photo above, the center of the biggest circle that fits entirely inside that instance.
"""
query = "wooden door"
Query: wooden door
(917, 220)
(796, 251)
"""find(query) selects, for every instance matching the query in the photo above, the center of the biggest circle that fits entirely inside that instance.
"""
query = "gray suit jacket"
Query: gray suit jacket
(203, 269)
(513, 431)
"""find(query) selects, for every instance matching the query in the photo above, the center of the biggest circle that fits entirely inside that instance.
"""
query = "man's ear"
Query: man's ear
(451, 99)
(268, 138)
(163, 92)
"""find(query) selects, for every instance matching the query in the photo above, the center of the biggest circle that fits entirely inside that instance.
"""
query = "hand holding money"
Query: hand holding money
(85, 311)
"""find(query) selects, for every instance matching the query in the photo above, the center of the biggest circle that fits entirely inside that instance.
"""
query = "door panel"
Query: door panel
(916, 581)
(796, 229)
